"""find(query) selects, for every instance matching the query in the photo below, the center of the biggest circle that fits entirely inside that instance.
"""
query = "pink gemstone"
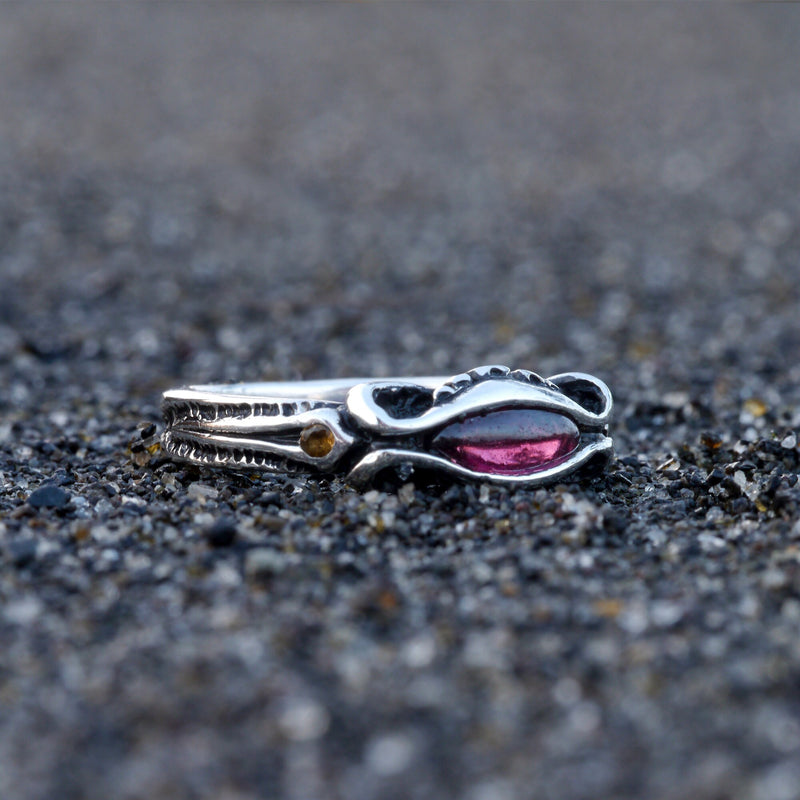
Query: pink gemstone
(509, 441)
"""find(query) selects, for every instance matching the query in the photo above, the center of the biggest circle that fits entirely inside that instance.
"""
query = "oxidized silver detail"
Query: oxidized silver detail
(375, 425)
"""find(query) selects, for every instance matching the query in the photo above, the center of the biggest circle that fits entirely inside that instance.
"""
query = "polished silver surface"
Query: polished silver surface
(360, 427)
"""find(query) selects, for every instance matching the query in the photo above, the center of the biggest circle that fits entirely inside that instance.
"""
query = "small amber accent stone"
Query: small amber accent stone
(317, 440)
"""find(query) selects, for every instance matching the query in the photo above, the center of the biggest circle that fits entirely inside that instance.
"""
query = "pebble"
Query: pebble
(304, 720)
(22, 611)
(202, 492)
(21, 552)
(262, 561)
(222, 532)
(49, 496)
(390, 754)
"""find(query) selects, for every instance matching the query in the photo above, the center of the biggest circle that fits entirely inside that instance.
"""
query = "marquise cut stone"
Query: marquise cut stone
(509, 441)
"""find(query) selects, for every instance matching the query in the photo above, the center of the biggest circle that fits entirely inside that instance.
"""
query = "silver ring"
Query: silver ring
(489, 424)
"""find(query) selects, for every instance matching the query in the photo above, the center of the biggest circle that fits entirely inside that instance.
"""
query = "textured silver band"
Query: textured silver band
(360, 427)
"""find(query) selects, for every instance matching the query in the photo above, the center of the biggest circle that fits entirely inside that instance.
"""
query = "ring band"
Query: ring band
(489, 424)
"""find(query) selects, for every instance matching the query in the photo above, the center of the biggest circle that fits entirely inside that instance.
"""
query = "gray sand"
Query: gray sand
(203, 192)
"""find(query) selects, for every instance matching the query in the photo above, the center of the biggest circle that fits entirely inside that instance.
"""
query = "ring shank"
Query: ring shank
(265, 391)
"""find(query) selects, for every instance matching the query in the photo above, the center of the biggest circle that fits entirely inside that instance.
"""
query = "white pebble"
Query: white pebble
(390, 754)
(304, 720)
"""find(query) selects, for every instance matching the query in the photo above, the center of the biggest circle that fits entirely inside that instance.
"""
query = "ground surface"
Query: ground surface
(212, 192)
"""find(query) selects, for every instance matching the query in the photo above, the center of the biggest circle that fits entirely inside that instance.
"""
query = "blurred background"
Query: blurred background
(252, 191)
